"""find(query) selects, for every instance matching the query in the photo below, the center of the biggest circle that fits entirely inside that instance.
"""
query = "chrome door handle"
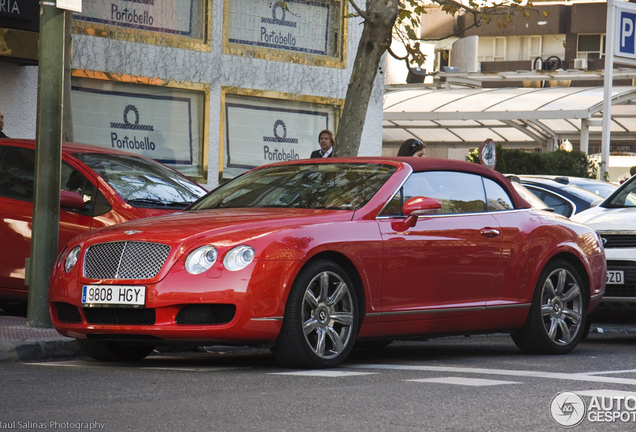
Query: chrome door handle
(490, 232)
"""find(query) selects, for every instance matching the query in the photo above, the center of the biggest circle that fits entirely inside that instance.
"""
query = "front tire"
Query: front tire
(556, 322)
(321, 318)
(115, 351)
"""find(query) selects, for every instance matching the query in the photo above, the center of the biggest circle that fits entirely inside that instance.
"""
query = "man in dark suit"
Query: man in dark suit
(326, 141)
(2, 135)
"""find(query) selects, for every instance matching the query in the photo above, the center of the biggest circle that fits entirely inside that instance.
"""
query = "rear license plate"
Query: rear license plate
(615, 277)
(116, 295)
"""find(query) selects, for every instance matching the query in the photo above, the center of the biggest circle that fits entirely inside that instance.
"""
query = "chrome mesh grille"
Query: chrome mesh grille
(125, 260)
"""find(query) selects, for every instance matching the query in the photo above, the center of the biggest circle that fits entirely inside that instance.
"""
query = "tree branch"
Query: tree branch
(397, 57)
(358, 10)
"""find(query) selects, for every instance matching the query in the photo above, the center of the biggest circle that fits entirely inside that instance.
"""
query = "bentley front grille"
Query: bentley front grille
(125, 260)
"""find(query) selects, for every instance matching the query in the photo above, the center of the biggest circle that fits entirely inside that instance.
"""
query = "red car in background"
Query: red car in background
(308, 257)
(100, 187)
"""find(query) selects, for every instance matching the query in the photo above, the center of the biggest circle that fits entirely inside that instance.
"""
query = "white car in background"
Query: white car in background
(615, 220)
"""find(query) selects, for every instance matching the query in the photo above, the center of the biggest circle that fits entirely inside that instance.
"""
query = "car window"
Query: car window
(141, 182)
(75, 181)
(341, 186)
(17, 173)
(625, 196)
(457, 192)
(530, 197)
(497, 198)
(557, 202)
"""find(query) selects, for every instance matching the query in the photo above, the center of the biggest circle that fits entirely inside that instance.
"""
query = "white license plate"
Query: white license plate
(118, 295)
(615, 277)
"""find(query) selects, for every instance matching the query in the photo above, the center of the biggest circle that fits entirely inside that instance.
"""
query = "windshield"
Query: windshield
(340, 186)
(625, 196)
(603, 189)
(142, 182)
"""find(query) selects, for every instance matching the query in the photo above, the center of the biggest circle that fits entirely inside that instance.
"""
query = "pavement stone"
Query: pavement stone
(19, 342)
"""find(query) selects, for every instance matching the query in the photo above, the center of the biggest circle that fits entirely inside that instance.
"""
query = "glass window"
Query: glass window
(312, 186)
(558, 203)
(458, 192)
(299, 31)
(164, 123)
(180, 23)
(260, 131)
(17, 173)
(141, 182)
(75, 181)
(496, 197)
(590, 46)
(17, 178)
(625, 197)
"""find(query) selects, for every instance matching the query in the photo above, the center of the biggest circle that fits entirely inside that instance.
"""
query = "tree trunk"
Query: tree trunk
(380, 16)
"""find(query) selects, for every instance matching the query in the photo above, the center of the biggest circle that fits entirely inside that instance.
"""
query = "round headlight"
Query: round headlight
(239, 258)
(71, 259)
(201, 259)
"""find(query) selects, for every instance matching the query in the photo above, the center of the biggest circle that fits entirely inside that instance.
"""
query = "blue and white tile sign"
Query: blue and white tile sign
(161, 123)
(164, 16)
(290, 25)
(260, 131)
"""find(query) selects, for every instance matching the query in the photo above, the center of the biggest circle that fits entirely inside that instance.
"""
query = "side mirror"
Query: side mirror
(414, 207)
(421, 206)
(69, 199)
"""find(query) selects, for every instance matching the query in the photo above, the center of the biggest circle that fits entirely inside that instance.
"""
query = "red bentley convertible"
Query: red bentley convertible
(309, 257)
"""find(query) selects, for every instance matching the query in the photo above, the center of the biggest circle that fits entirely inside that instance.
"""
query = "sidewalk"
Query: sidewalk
(21, 343)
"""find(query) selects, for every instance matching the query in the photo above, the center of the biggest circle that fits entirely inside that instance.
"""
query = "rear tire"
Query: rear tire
(321, 318)
(556, 322)
(115, 351)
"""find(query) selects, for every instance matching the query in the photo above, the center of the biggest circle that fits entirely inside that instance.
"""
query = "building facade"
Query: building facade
(558, 38)
(210, 87)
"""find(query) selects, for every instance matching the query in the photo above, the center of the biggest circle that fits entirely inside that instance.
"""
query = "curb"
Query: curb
(39, 349)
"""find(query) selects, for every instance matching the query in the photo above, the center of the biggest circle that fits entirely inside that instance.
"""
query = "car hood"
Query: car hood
(608, 219)
(232, 223)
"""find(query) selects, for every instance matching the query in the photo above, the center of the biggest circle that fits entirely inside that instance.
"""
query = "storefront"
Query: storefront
(210, 87)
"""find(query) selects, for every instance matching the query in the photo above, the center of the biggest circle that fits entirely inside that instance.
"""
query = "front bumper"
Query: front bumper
(219, 307)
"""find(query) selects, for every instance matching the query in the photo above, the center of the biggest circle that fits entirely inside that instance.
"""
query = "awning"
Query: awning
(507, 115)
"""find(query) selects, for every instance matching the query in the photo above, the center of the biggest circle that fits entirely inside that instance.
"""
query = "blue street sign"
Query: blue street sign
(627, 34)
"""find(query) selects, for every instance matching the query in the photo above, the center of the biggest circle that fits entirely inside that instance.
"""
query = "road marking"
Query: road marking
(324, 373)
(612, 372)
(476, 382)
(606, 393)
(587, 377)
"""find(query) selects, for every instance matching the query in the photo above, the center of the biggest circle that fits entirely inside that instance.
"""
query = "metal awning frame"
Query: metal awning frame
(579, 117)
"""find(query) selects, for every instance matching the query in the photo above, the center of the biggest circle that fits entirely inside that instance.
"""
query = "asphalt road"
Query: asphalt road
(478, 383)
